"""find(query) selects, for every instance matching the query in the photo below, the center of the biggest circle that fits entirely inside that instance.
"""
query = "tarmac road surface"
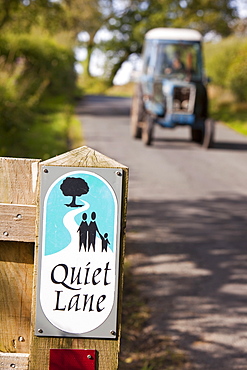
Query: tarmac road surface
(187, 230)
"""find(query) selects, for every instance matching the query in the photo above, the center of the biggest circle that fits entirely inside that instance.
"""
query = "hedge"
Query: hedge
(226, 64)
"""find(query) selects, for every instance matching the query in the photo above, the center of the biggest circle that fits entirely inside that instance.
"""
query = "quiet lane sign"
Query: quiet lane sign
(79, 251)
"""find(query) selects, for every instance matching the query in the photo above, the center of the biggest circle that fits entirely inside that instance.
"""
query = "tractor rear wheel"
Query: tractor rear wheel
(136, 115)
(208, 137)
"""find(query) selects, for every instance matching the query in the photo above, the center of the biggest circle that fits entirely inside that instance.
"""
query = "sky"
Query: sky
(242, 8)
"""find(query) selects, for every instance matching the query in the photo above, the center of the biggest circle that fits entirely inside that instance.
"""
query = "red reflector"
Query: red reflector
(72, 359)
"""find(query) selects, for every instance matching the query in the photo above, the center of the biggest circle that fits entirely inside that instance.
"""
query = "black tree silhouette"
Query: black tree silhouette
(74, 187)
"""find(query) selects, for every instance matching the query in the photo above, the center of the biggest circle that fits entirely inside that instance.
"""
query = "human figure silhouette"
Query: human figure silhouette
(92, 229)
(83, 232)
(105, 242)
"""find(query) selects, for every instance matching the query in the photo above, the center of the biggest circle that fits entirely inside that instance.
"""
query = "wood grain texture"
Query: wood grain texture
(107, 350)
(18, 179)
(11, 360)
(83, 157)
(17, 222)
(16, 275)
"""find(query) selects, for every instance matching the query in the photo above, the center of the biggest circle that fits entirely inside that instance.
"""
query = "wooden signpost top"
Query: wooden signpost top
(107, 350)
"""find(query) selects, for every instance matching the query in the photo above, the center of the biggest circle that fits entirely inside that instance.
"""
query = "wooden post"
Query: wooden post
(107, 349)
(18, 179)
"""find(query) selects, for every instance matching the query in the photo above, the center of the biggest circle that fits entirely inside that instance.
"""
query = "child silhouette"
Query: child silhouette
(105, 242)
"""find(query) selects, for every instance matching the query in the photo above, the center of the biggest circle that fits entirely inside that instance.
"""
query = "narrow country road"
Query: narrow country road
(187, 229)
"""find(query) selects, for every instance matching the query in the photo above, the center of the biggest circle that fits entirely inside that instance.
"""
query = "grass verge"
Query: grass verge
(225, 108)
(57, 129)
(51, 129)
(141, 349)
(121, 90)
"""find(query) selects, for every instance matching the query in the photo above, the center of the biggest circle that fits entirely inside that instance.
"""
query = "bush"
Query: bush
(46, 66)
(34, 71)
(219, 57)
(237, 76)
(226, 65)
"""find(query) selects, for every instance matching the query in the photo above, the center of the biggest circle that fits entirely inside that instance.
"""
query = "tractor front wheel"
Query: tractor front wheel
(196, 135)
(147, 130)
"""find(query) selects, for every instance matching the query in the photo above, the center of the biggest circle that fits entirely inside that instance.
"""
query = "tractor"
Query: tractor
(171, 87)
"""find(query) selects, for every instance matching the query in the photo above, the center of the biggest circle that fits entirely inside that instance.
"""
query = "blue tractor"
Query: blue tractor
(171, 87)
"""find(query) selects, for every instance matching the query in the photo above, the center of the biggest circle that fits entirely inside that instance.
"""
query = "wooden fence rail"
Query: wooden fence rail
(19, 244)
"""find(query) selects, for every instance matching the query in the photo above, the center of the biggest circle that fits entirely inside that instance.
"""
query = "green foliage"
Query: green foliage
(205, 16)
(43, 65)
(16, 15)
(126, 90)
(52, 131)
(83, 15)
(93, 85)
(237, 75)
(226, 65)
(33, 70)
(130, 23)
(37, 77)
(218, 58)
(42, 133)
(224, 107)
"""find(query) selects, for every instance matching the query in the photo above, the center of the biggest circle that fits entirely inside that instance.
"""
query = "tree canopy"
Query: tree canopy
(126, 21)
(129, 24)
(74, 187)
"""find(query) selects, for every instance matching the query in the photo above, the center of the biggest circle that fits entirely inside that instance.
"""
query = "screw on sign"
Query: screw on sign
(72, 359)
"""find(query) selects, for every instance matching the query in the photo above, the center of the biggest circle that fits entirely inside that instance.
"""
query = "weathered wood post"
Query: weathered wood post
(79, 262)
(68, 315)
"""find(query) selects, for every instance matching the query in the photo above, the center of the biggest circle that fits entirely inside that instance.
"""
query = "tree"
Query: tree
(207, 16)
(87, 16)
(16, 15)
(74, 187)
(127, 21)
(129, 24)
